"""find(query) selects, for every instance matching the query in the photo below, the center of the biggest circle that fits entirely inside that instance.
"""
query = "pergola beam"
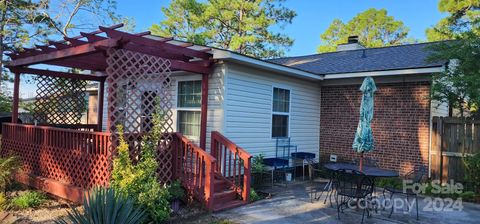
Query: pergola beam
(58, 74)
(83, 49)
(155, 43)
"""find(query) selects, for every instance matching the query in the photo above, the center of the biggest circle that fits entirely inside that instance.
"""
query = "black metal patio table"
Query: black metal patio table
(374, 172)
(367, 170)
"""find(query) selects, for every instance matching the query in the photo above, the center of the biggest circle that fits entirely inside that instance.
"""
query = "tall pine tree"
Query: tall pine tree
(237, 25)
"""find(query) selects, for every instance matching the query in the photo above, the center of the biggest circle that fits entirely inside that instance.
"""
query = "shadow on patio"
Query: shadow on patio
(292, 205)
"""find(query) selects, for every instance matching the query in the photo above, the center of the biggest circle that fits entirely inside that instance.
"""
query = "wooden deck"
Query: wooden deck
(66, 162)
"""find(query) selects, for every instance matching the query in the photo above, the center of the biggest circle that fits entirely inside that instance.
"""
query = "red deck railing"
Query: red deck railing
(69, 157)
(195, 168)
(65, 162)
(233, 163)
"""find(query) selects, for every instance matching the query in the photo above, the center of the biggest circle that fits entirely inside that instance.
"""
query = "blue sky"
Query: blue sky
(313, 16)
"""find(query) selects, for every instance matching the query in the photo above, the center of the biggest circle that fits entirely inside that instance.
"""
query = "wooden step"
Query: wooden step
(220, 185)
(227, 205)
(224, 196)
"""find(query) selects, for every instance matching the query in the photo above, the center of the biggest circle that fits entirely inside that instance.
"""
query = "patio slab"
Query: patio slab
(292, 205)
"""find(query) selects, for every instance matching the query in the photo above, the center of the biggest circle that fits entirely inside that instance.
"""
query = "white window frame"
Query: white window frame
(281, 113)
(178, 109)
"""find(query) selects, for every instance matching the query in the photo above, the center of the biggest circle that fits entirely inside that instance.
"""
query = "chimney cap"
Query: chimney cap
(353, 39)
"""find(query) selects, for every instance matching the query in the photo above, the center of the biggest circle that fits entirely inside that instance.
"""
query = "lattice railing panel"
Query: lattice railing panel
(139, 86)
(72, 157)
(59, 100)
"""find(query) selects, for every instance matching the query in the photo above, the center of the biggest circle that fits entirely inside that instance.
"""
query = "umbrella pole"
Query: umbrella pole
(361, 162)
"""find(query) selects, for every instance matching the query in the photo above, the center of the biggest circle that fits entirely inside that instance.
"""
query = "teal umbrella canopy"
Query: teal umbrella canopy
(363, 141)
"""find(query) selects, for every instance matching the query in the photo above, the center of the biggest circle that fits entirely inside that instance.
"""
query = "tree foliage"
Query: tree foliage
(459, 84)
(463, 15)
(21, 21)
(29, 22)
(237, 25)
(374, 27)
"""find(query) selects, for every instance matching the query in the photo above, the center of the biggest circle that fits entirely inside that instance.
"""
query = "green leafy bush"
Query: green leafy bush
(472, 172)
(106, 206)
(8, 166)
(254, 196)
(389, 182)
(140, 180)
(257, 165)
(176, 191)
(3, 201)
(467, 195)
(29, 199)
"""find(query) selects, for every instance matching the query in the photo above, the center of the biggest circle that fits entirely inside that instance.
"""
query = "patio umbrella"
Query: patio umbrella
(363, 141)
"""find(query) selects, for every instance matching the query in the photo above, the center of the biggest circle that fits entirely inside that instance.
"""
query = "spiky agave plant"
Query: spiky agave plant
(105, 206)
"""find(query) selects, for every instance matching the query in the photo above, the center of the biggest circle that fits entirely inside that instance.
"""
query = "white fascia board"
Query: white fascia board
(230, 56)
(385, 73)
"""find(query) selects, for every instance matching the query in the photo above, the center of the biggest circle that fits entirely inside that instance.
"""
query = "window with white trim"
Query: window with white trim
(189, 100)
(280, 112)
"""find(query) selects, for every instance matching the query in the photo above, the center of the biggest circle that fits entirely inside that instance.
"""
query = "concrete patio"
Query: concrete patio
(292, 205)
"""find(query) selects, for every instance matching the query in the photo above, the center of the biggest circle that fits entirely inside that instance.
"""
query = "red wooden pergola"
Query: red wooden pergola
(69, 158)
(88, 51)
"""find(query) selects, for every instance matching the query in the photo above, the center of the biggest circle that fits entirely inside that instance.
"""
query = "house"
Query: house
(315, 100)
(224, 102)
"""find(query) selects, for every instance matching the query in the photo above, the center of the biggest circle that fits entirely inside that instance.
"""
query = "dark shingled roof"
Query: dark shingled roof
(364, 60)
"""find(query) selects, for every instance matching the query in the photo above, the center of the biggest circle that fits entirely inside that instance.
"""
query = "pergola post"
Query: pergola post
(16, 94)
(203, 115)
(101, 91)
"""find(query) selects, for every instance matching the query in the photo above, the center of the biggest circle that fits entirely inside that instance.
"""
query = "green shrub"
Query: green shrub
(140, 180)
(29, 199)
(3, 201)
(102, 205)
(396, 183)
(254, 196)
(467, 195)
(257, 165)
(472, 172)
(176, 191)
(8, 166)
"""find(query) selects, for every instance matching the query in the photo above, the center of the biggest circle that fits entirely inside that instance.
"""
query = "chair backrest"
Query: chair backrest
(353, 183)
(283, 148)
(418, 174)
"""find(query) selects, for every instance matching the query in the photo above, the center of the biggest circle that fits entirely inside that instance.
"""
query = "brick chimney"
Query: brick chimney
(351, 45)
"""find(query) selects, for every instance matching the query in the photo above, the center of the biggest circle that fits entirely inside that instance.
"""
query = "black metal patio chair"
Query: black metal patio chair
(351, 185)
(320, 180)
(417, 177)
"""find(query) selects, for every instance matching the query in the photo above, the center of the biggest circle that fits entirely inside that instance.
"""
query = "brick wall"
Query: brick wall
(400, 124)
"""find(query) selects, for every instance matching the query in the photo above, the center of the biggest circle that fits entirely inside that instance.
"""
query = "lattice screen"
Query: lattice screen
(138, 86)
(59, 100)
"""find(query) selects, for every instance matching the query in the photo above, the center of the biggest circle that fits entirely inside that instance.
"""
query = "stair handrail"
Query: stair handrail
(216, 138)
(210, 164)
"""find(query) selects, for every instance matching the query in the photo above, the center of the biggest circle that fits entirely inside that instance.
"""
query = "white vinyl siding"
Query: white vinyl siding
(248, 110)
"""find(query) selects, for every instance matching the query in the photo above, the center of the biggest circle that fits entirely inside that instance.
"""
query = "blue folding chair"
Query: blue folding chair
(281, 161)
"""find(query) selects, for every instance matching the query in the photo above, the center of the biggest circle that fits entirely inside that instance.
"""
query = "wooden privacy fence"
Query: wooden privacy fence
(60, 161)
(453, 139)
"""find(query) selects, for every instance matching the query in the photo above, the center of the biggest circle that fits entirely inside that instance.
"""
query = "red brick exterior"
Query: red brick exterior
(400, 124)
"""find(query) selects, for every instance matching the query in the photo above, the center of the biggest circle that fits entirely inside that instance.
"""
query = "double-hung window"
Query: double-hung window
(189, 100)
(280, 112)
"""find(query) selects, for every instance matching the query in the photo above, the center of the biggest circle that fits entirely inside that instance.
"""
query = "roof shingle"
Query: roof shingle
(364, 60)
